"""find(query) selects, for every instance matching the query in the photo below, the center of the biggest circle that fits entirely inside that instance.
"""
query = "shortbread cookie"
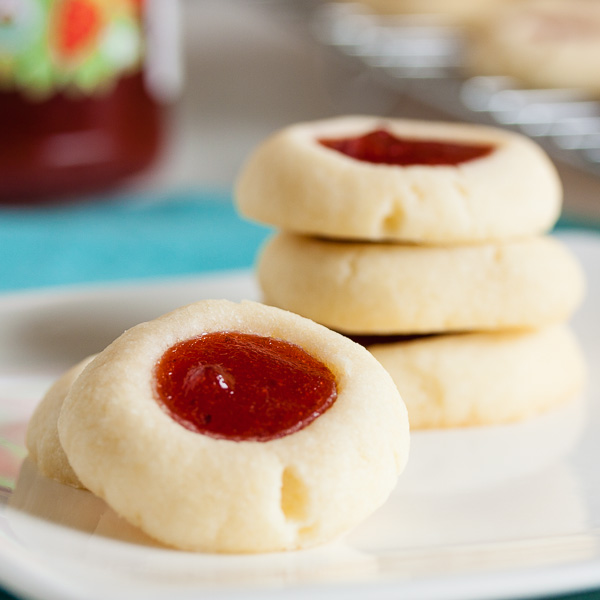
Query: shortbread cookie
(544, 44)
(220, 468)
(400, 289)
(484, 378)
(42, 439)
(371, 178)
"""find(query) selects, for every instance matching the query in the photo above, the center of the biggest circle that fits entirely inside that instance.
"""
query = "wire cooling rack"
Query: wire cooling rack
(423, 60)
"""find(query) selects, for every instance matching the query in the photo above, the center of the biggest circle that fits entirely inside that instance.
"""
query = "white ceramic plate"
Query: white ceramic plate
(498, 512)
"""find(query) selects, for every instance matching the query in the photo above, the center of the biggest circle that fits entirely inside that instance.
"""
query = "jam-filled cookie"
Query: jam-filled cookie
(543, 44)
(483, 378)
(382, 288)
(231, 427)
(370, 178)
(42, 439)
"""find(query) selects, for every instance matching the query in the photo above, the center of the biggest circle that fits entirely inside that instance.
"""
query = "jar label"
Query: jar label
(76, 46)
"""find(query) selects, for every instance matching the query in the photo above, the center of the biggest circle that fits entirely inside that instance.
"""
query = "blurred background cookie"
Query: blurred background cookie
(455, 12)
(540, 43)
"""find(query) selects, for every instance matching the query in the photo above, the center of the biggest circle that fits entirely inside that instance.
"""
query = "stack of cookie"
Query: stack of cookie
(426, 242)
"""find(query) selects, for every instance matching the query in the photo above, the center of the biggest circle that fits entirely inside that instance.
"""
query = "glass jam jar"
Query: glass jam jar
(76, 112)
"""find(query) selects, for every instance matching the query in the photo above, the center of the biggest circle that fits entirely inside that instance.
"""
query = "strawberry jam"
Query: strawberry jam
(242, 387)
(381, 147)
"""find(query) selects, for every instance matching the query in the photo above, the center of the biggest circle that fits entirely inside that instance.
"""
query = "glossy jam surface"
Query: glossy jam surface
(381, 147)
(242, 387)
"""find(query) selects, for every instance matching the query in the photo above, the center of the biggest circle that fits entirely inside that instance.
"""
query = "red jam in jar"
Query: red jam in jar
(242, 387)
(65, 146)
(76, 113)
(381, 147)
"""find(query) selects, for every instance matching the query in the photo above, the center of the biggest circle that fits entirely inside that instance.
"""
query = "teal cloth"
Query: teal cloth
(171, 234)
(135, 237)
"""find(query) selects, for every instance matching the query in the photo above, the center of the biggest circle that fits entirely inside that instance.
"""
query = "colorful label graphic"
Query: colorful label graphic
(78, 46)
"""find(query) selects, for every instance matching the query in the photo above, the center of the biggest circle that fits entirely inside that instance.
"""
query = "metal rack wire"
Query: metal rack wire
(423, 60)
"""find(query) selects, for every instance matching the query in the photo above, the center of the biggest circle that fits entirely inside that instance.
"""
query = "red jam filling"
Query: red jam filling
(381, 147)
(242, 387)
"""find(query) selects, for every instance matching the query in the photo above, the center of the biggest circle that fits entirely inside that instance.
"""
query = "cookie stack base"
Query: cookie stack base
(474, 379)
